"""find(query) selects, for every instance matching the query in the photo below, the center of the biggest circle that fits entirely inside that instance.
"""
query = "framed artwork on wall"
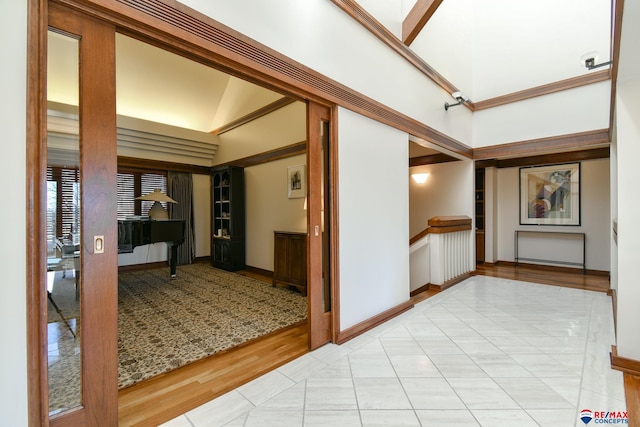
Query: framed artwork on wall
(296, 184)
(550, 195)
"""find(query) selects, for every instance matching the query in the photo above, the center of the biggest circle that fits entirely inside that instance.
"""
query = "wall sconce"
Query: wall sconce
(459, 96)
(420, 178)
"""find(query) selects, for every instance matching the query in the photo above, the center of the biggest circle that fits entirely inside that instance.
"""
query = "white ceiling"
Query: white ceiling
(486, 49)
(159, 86)
(491, 48)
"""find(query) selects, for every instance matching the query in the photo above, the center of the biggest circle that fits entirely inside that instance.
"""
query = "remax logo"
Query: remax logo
(586, 416)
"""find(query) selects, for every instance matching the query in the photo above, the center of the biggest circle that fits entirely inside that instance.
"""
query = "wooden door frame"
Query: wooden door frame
(321, 321)
(98, 162)
(170, 36)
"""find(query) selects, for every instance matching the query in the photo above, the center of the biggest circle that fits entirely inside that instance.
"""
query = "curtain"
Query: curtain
(181, 190)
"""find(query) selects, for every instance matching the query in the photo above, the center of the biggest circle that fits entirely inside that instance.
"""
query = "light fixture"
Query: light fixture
(589, 60)
(459, 96)
(157, 212)
(420, 178)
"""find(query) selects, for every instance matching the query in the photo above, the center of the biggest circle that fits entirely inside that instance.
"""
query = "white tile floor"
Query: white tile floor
(487, 352)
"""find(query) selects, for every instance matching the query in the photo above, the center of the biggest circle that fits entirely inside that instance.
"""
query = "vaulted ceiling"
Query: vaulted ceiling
(488, 50)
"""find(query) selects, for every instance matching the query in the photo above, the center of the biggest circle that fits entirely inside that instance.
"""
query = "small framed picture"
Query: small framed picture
(296, 183)
(550, 195)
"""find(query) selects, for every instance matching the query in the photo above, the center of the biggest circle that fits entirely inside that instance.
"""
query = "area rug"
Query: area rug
(166, 323)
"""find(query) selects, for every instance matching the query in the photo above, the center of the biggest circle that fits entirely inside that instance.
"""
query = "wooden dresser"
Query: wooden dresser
(290, 259)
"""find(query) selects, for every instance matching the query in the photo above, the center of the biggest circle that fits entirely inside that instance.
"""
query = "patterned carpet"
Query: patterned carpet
(166, 323)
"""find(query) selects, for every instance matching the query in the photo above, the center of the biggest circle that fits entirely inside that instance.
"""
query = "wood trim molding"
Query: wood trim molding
(586, 79)
(554, 143)
(615, 49)
(442, 225)
(450, 283)
(271, 155)
(134, 163)
(417, 18)
(629, 366)
(556, 268)
(449, 221)
(614, 305)
(449, 229)
(36, 158)
(270, 108)
(355, 11)
(420, 290)
(545, 159)
(371, 323)
(431, 159)
(180, 29)
(418, 236)
(412, 25)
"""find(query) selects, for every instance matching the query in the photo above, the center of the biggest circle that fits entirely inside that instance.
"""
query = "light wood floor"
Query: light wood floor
(165, 397)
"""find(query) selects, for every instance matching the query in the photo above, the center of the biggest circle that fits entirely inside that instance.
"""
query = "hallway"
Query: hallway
(486, 352)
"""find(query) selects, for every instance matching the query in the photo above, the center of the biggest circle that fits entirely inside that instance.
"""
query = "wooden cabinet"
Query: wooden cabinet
(228, 218)
(290, 259)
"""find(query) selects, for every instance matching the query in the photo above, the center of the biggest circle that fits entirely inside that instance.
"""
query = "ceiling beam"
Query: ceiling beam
(267, 109)
(545, 159)
(572, 141)
(431, 159)
(271, 155)
(417, 18)
(354, 10)
(547, 89)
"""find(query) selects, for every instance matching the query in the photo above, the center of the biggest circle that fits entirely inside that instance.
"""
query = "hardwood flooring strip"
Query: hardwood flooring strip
(166, 396)
(632, 395)
(546, 275)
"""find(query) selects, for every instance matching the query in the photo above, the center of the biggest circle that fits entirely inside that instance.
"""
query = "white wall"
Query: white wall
(283, 127)
(628, 175)
(594, 208)
(448, 191)
(291, 27)
(628, 137)
(269, 209)
(570, 111)
(374, 217)
(13, 369)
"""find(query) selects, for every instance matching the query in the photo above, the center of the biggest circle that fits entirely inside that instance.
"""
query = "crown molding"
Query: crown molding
(567, 142)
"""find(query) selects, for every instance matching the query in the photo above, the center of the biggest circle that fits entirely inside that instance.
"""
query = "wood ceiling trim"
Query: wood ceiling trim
(376, 28)
(616, 36)
(546, 159)
(547, 89)
(271, 155)
(417, 18)
(354, 10)
(267, 109)
(431, 159)
(134, 163)
(180, 29)
(555, 143)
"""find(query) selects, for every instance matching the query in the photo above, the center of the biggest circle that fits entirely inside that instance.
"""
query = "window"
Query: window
(63, 197)
(63, 202)
(133, 184)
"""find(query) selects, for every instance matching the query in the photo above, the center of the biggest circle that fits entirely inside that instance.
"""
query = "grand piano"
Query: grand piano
(139, 232)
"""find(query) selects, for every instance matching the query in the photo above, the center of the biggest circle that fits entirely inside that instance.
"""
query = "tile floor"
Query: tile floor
(487, 352)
